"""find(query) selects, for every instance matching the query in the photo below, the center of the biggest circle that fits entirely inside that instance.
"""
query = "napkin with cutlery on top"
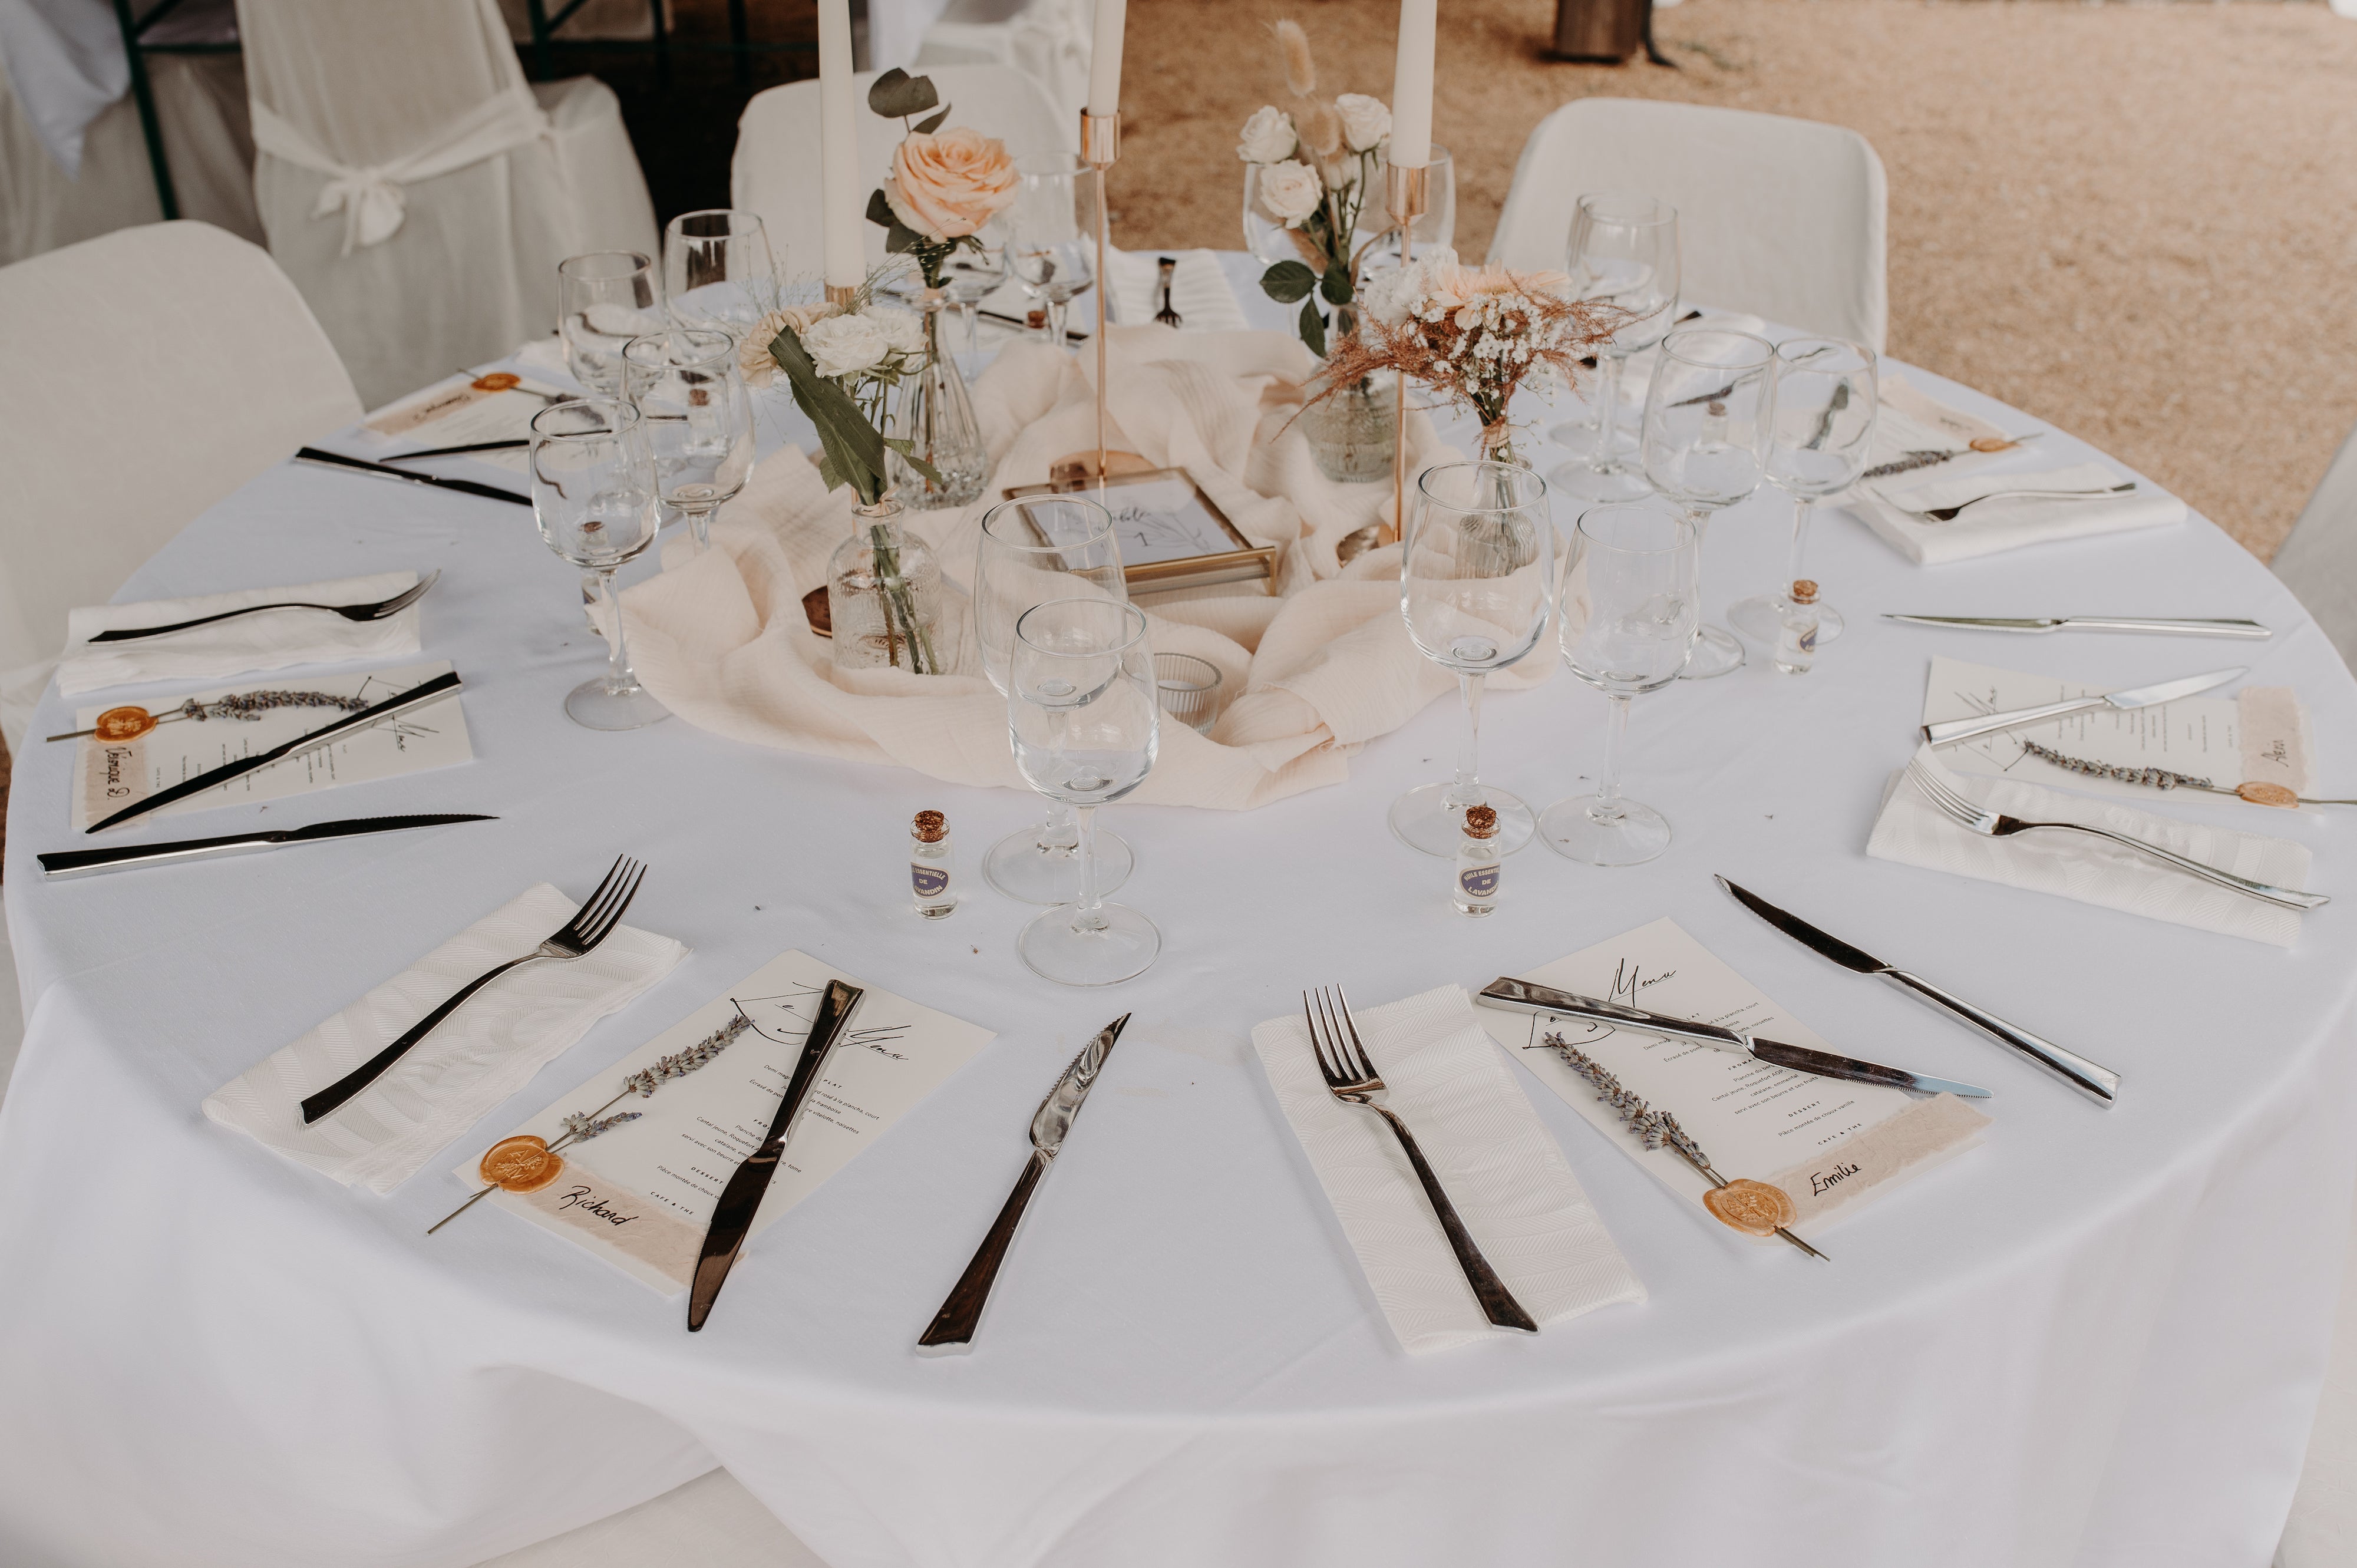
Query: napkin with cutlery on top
(1913, 831)
(475, 1058)
(1508, 1180)
(271, 640)
(1199, 291)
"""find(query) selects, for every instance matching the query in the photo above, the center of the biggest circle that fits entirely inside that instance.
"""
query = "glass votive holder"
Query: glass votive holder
(1187, 688)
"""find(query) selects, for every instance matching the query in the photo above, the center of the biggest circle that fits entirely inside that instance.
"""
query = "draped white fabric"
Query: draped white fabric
(372, 200)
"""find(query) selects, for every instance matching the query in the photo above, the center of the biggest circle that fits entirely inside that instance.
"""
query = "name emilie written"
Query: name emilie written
(1822, 1182)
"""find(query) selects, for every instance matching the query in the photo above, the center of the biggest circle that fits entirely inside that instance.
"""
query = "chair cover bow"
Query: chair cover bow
(371, 198)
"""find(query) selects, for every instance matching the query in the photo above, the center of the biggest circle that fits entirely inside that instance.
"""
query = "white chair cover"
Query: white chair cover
(417, 190)
(712, 1522)
(154, 370)
(775, 172)
(1778, 218)
(1047, 41)
(2319, 561)
(2322, 1530)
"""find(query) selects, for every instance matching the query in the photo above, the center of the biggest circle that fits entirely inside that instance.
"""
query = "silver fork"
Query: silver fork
(1168, 314)
(1948, 513)
(590, 925)
(1979, 819)
(1351, 1078)
(377, 611)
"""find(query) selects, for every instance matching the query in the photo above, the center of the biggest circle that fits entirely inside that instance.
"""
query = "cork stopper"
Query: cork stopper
(931, 827)
(1805, 591)
(1481, 821)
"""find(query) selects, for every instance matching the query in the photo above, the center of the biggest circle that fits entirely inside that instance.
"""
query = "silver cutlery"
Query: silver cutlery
(953, 1328)
(577, 937)
(1979, 819)
(465, 487)
(2098, 1083)
(1168, 315)
(1948, 513)
(59, 864)
(1524, 996)
(1351, 1078)
(383, 609)
(1947, 732)
(2039, 625)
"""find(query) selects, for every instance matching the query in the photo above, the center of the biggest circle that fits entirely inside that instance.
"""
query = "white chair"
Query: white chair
(1047, 41)
(2318, 560)
(713, 1522)
(1780, 218)
(2322, 1530)
(153, 371)
(418, 191)
(775, 172)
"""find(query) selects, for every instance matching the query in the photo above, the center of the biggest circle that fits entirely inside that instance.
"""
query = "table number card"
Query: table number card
(1830, 1146)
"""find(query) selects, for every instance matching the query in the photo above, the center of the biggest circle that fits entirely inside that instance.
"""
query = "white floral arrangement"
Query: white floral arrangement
(842, 364)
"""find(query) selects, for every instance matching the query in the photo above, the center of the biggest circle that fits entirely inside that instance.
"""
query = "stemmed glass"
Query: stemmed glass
(969, 277)
(1474, 574)
(603, 300)
(1629, 611)
(698, 419)
(1035, 549)
(1708, 413)
(1826, 402)
(593, 494)
(1623, 253)
(719, 273)
(1082, 713)
(1052, 253)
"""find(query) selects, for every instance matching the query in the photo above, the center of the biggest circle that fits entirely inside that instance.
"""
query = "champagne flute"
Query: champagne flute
(1826, 404)
(603, 300)
(1474, 574)
(1708, 413)
(690, 394)
(1623, 253)
(1032, 550)
(593, 494)
(1629, 611)
(1052, 253)
(719, 273)
(1085, 724)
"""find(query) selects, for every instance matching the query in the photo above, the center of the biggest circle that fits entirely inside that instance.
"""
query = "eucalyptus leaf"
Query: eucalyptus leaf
(932, 124)
(896, 94)
(1288, 281)
(901, 238)
(879, 210)
(1313, 329)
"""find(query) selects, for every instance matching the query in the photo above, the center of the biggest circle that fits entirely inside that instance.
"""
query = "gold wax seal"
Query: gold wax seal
(1993, 443)
(525, 1165)
(496, 382)
(1751, 1206)
(2256, 793)
(124, 723)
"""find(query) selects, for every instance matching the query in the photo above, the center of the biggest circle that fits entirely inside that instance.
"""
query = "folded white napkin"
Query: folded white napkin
(271, 640)
(1508, 1181)
(1637, 374)
(1913, 831)
(478, 1057)
(1199, 291)
(1889, 507)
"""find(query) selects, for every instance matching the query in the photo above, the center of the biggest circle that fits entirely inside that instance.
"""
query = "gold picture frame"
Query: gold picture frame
(1172, 535)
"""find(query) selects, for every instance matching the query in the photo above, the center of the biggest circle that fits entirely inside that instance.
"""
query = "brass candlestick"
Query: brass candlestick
(1100, 149)
(842, 295)
(1405, 195)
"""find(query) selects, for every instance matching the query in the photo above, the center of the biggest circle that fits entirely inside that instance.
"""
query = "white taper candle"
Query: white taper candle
(839, 201)
(1104, 57)
(1412, 84)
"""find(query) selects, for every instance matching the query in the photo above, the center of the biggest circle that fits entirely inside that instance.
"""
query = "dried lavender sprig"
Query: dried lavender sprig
(2156, 777)
(251, 706)
(578, 1127)
(1655, 1129)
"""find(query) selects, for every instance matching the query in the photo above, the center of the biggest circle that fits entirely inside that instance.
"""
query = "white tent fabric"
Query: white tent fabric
(2318, 560)
(713, 1522)
(469, 185)
(775, 172)
(159, 369)
(1778, 218)
(1047, 41)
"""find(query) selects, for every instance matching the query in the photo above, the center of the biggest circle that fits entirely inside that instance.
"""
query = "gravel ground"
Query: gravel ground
(2137, 222)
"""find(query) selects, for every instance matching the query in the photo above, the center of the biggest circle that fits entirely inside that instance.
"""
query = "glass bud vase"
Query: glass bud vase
(1351, 434)
(884, 595)
(936, 417)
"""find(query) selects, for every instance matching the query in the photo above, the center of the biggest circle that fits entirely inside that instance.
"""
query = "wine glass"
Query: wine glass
(1708, 413)
(719, 274)
(1032, 550)
(1623, 253)
(603, 300)
(1052, 254)
(1082, 713)
(1474, 567)
(1629, 611)
(968, 277)
(698, 419)
(1826, 403)
(593, 494)
(1434, 226)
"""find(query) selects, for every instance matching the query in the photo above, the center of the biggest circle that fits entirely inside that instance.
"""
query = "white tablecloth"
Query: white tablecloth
(2095, 1341)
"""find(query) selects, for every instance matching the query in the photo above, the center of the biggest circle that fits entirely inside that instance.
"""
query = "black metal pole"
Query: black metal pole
(149, 124)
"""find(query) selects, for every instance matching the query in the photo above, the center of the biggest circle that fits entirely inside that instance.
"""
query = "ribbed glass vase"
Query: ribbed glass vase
(936, 416)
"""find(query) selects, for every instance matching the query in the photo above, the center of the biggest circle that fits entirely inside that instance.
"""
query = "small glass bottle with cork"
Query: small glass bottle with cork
(1796, 643)
(1479, 863)
(931, 863)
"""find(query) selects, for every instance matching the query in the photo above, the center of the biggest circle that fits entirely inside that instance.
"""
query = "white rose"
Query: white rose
(1365, 120)
(904, 333)
(1290, 191)
(1268, 137)
(845, 345)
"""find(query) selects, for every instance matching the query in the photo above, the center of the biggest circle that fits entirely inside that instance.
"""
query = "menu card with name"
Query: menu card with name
(641, 1195)
(1827, 1143)
(496, 407)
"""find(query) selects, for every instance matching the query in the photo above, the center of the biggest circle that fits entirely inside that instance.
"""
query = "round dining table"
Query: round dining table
(2096, 1339)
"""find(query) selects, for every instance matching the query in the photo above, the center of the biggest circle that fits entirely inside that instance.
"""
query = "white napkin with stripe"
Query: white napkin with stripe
(272, 640)
(1890, 506)
(1502, 1172)
(1199, 291)
(449, 1081)
(1913, 831)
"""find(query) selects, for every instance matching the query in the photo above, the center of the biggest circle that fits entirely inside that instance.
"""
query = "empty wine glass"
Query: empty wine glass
(698, 419)
(1052, 251)
(970, 276)
(1629, 615)
(1474, 573)
(1085, 725)
(1708, 413)
(1032, 550)
(603, 300)
(719, 273)
(1623, 251)
(593, 494)
(1826, 402)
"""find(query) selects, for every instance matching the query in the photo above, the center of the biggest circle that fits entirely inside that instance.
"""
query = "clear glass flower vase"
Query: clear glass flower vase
(936, 417)
(1351, 433)
(884, 595)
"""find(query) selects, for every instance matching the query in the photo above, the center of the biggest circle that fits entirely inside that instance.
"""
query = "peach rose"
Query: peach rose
(948, 186)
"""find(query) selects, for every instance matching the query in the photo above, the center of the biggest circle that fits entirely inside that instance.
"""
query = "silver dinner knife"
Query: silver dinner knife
(953, 1328)
(2098, 1083)
(1950, 730)
(1523, 997)
(58, 864)
(2034, 624)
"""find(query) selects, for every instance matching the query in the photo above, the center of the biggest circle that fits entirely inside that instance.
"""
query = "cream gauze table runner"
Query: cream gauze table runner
(1321, 667)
